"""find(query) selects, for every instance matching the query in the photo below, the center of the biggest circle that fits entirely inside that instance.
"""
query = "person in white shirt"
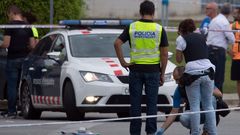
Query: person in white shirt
(217, 41)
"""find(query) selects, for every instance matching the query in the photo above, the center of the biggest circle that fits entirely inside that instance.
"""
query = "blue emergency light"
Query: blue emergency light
(96, 22)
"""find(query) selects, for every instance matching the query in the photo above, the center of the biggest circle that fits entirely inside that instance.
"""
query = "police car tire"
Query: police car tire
(28, 111)
(69, 103)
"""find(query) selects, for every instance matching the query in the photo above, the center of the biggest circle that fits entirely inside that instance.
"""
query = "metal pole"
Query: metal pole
(51, 13)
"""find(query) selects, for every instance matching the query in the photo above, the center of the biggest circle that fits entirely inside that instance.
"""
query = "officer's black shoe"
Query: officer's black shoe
(12, 115)
(4, 113)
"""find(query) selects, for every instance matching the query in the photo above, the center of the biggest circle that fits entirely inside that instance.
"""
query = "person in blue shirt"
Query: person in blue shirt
(205, 22)
(204, 25)
(164, 16)
(179, 98)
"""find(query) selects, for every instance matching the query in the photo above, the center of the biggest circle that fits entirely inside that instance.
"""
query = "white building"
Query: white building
(130, 8)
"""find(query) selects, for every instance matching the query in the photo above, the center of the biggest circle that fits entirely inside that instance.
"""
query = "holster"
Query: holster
(211, 74)
(187, 79)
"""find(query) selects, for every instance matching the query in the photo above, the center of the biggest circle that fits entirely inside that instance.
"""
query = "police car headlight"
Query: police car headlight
(91, 76)
(168, 77)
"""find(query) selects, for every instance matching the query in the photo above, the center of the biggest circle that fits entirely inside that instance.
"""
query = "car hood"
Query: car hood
(107, 65)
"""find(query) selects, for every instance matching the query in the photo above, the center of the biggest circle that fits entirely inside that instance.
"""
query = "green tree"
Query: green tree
(63, 9)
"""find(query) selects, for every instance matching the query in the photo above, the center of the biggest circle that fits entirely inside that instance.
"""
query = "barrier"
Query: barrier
(113, 119)
(168, 29)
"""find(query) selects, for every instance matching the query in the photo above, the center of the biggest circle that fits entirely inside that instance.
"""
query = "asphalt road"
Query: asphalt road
(228, 125)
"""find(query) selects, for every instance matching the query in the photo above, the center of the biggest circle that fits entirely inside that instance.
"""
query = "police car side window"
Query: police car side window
(59, 46)
(44, 45)
(39, 47)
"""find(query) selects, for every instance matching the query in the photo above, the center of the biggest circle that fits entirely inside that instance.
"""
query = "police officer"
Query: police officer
(19, 43)
(235, 72)
(148, 42)
(29, 18)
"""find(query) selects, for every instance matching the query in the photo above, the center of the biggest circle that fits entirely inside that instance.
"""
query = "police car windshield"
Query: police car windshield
(95, 45)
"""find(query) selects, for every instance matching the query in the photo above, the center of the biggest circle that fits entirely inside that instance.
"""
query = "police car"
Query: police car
(76, 70)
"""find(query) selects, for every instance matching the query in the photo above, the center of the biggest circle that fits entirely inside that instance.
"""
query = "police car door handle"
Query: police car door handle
(44, 70)
(31, 69)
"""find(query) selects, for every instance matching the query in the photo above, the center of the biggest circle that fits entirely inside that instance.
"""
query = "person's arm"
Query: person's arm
(230, 51)
(230, 47)
(164, 59)
(118, 49)
(32, 43)
(229, 35)
(217, 93)
(163, 54)
(179, 56)
(6, 41)
(170, 119)
(176, 106)
(180, 46)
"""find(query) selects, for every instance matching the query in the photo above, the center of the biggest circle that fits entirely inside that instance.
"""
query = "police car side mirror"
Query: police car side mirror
(54, 56)
(170, 54)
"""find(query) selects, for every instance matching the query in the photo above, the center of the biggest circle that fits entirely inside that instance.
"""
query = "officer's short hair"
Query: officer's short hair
(147, 8)
(14, 9)
(226, 9)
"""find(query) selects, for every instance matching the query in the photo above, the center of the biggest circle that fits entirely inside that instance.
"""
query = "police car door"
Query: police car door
(37, 68)
(53, 64)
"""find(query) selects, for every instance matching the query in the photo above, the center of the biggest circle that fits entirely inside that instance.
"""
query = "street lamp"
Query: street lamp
(51, 13)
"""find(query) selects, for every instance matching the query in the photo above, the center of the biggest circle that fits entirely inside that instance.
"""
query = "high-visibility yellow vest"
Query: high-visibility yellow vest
(145, 38)
(236, 45)
(35, 32)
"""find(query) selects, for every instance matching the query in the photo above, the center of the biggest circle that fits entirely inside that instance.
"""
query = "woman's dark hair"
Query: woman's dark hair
(147, 8)
(186, 26)
(30, 17)
(14, 9)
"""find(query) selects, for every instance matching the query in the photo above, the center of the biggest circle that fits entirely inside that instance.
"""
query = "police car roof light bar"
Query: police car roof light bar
(95, 22)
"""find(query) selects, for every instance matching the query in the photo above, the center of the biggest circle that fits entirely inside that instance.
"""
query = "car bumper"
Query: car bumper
(115, 98)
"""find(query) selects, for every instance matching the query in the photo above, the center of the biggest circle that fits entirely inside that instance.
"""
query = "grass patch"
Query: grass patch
(229, 85)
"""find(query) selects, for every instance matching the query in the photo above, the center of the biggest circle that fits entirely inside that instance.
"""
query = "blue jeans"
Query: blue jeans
(201, 90)
(151, 83)
(13, 72)
(218, 58)
(185, 118)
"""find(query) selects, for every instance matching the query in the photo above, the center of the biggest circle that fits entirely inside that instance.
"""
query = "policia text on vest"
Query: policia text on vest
(144, 34)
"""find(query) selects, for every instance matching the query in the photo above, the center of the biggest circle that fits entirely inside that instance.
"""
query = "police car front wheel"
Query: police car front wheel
(28, 111)
(69, 103)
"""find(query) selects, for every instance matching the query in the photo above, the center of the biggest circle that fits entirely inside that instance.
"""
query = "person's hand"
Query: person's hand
(126, 65)
(230, 53)
(161, 80)
(160, 131)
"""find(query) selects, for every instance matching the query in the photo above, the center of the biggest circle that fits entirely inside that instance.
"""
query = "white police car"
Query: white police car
(76, 70)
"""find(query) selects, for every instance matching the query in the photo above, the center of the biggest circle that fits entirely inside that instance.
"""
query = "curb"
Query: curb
(231, 102)
(231, 99)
